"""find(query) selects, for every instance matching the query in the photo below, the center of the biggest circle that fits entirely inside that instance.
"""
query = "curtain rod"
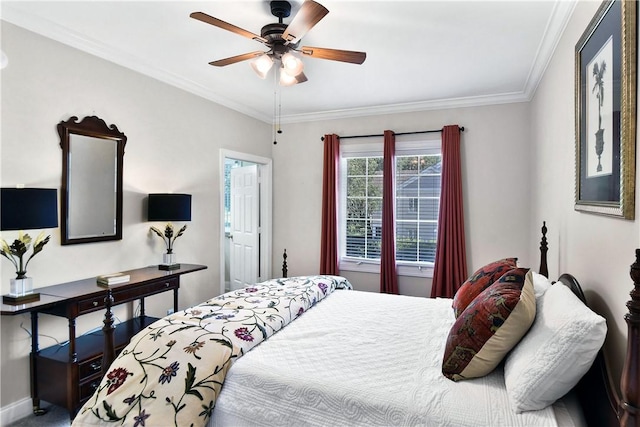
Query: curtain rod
(399, 133)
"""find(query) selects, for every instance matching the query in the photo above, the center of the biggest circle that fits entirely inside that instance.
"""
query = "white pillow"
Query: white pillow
(540, 284)
(557, 351)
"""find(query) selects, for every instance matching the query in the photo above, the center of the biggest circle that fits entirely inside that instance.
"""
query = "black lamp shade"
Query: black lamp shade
(28, 208)
(169, 207)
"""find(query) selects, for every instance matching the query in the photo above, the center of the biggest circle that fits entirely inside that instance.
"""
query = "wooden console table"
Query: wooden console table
(68, 374)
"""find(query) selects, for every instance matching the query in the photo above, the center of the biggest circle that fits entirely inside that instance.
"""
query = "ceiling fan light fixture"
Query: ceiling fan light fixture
(262, 65)
(287, 79)
(291, 65)
(282, 40)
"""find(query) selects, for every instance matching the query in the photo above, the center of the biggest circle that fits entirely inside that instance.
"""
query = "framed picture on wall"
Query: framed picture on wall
(606, 111)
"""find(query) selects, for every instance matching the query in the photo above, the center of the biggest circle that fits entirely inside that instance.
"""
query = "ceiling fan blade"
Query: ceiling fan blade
(234, 59)
(350, 56)
(201, 16)
(301, 78)
(309, 15)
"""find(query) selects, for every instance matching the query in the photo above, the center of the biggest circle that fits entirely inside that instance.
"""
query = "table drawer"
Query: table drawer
(90, 367)
(87, 389)
(124, 294)
(89, 305)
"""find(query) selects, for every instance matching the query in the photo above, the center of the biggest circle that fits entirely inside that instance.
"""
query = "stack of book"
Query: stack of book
(112, 279)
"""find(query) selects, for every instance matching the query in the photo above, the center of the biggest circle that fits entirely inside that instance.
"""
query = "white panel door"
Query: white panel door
(244, 255)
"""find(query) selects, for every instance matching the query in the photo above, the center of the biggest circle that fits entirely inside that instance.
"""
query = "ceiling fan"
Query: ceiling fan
(282, 41)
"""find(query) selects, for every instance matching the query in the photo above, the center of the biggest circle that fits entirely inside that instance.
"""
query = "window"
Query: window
(417, 181)
(228, 165)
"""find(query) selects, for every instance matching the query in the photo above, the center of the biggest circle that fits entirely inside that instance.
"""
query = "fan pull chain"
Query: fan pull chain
(275, 111)
(277, 108)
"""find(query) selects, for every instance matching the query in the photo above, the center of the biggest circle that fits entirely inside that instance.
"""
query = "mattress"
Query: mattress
(363, 359)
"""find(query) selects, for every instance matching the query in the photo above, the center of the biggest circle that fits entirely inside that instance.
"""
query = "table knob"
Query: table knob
(95, 303)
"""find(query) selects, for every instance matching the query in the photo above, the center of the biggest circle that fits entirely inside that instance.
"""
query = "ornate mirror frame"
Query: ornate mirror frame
(76, 203)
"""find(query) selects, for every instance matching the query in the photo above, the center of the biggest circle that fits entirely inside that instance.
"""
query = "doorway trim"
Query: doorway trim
(265, 177)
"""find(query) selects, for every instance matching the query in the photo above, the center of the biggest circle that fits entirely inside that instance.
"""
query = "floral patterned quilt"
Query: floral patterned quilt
(171, 373)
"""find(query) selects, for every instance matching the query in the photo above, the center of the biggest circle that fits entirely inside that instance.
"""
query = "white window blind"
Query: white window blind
(417, 183)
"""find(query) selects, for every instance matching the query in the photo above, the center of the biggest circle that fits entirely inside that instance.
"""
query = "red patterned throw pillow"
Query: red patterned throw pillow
(479, 281)
(490, 326)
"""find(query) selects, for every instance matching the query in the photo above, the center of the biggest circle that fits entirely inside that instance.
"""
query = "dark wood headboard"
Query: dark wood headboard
(629, 405)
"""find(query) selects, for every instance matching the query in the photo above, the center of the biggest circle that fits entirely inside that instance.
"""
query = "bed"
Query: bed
(343, 357)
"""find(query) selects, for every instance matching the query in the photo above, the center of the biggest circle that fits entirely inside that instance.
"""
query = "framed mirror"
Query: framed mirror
(92, 160)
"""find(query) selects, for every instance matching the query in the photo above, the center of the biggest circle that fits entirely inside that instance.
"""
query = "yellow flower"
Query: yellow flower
(5, 247)
(39, 239)
(24, 238)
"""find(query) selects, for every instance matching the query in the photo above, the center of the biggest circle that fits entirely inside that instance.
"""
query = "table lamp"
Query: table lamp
(169, 207)
(25, 209)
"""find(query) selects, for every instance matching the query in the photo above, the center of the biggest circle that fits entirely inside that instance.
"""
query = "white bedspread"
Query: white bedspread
(353, 361)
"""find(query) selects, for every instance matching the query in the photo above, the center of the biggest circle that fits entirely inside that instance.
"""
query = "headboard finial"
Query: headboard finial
(544, 247)
(284, 263)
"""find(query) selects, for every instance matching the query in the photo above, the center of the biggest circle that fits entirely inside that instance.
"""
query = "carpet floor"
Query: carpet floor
(55, 417)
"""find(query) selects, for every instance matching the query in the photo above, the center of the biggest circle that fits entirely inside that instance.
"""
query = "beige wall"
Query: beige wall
(173, 144)
(598, 250)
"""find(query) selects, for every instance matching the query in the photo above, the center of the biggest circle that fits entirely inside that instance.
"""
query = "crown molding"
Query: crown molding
(438, 104)
(556, 25)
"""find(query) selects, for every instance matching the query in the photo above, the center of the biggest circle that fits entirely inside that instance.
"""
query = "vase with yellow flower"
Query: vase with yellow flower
(22, 285)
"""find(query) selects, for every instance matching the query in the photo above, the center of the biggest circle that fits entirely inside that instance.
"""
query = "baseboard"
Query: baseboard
(16, 411)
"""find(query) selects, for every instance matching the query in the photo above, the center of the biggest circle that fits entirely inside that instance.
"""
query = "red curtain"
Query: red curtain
(388, 277)
(329, 237)
(451, 260)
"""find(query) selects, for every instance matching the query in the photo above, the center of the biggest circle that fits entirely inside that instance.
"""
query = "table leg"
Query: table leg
(108, 329)
(142, 307)
(37, 410)
(73, 354)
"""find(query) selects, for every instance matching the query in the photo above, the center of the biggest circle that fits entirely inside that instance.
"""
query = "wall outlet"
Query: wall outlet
(170, 311)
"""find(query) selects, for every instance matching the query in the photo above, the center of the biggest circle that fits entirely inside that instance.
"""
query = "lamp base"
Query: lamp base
(20, 287)
(21, 292)
(169, 262)
(20, 299)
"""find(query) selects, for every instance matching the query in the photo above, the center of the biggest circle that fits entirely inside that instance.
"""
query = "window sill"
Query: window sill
(410, 270)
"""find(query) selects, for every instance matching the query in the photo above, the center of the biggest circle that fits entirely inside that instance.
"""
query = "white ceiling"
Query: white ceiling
(420, 54)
